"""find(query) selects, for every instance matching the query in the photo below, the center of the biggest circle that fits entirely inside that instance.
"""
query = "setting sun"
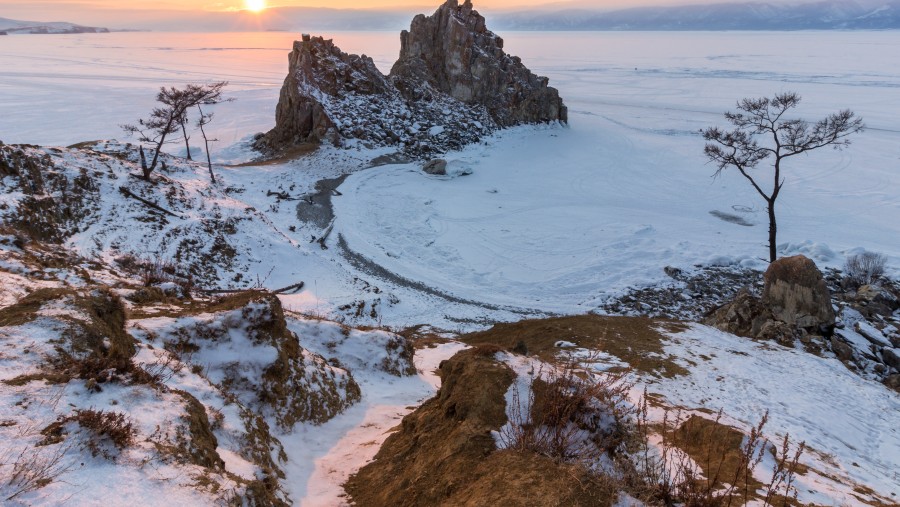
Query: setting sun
(255, 5)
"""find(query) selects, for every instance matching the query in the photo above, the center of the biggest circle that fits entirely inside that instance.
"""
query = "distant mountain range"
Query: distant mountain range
(823, 15)
(16, 27)
(810, 15)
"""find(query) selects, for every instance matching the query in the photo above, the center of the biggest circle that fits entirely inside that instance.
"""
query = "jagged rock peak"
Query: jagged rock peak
(319, 72)
(452, 85)
(453, 52)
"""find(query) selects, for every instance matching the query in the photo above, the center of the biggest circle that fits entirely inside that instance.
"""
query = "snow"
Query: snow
(323, 457)
(816, 400)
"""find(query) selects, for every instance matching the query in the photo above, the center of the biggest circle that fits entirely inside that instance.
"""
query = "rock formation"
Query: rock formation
(453, 52)
(795, 303)
(797, 295)
(452, 84)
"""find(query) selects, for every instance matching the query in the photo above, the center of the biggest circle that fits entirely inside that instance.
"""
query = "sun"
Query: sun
(255, 5)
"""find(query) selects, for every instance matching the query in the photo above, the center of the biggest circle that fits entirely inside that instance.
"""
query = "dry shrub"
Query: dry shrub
(104, 428)
(31, 468)
(570, 414)
(155, 270)
(865, 268)
(701, 462)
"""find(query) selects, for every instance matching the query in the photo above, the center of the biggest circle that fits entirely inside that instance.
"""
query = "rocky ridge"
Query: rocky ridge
(452, 85)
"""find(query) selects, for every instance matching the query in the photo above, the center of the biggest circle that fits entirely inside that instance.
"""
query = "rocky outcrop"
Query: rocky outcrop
(453, 52)
(797, 295)
(320, 73)
(452, 85)
(795, 303)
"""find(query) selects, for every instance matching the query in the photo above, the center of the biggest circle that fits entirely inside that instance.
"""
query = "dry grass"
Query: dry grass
(635, 340)
(107, 430)
(701, 462)
(569, 414)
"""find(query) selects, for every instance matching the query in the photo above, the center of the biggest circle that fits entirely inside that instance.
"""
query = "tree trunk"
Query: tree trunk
(143, 160)
(187, 145)
(212, 175)
(773, 231)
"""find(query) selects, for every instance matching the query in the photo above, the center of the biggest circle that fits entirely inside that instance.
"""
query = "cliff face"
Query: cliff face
(319, 73)
(453, 52)
(452, 84)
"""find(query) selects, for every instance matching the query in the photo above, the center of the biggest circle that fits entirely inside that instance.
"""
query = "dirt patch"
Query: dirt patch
(289, 154)
(635, 340)
(316, 208)
(444, 453)
(716, 448)
(731, 218)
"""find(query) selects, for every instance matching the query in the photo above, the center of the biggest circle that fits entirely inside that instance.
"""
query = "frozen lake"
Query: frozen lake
(552, 218)
(95, 82)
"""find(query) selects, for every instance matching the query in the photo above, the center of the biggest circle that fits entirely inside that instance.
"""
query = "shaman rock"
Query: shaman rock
(453, 52)
(452, 85)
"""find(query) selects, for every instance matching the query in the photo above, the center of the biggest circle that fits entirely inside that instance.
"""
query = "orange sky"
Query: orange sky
(339, 4)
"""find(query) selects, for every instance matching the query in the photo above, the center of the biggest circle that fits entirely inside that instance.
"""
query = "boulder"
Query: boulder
(796, 294)
(745, 316)
(891, 357)
(437, 167)
(842, 350)
(795, 303)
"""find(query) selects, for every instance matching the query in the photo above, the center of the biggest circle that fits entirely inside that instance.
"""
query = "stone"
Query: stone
(673, 272)
(876, 300)
(777, 331)
(893, 381)
(796, 294)
(843, 351)
(437, 167)
(745, 316)
(891, 357)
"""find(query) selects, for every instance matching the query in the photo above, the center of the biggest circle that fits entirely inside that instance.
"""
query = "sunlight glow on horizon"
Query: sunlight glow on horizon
(255, 5)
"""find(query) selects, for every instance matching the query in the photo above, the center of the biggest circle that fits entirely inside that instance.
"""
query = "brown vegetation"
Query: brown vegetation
(444, 453)
(636, 340)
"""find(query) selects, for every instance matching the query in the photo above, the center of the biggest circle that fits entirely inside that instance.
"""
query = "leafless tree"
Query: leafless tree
(205, 119)
(761, 132)
(168, 118)
(187, 138)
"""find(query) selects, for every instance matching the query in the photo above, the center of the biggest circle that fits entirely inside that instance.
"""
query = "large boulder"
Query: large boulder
(797, 295)
(453, 52)
(795, 302)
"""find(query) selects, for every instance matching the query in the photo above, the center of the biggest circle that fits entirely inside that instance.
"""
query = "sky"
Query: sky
(203, 14)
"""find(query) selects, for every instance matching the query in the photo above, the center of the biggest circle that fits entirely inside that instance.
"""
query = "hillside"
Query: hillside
(16, 27)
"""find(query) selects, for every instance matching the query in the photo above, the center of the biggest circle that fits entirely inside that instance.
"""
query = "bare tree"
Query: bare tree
(167, 119)
(206, 119)
(762, 120)
(187, 138)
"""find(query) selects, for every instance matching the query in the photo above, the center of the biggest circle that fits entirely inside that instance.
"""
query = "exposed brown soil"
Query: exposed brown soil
(444, 455)
(635, 340)
(289, 154)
